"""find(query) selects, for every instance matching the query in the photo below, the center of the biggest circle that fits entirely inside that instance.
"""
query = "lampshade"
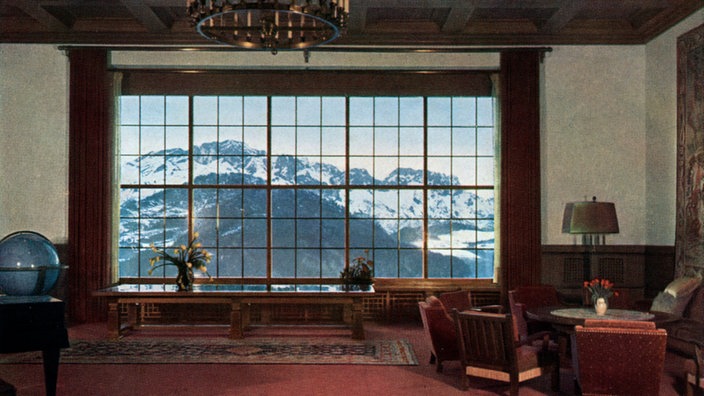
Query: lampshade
(590, 217)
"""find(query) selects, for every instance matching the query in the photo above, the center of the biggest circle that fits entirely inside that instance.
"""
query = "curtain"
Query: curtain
(90, 183)
(520, 164)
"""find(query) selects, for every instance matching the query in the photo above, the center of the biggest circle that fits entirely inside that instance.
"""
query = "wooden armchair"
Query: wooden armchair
(520, 330)
(620, 357)
(488, 349)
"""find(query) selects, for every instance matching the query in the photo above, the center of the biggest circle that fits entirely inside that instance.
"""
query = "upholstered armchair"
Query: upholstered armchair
(438, 325)
(488, 349)
(528, 297)
(439, 331)
(460, 300)
(620, 357)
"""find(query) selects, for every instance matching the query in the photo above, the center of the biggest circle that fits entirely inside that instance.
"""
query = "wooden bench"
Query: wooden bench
(238, 297)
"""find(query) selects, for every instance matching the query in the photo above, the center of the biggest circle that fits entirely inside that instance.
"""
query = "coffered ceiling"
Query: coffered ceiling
(372, 22)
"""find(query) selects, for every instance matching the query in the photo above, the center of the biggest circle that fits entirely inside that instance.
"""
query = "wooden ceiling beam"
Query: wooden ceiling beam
(38, 13)
(563, 16)
(146, 16)
(459, 16)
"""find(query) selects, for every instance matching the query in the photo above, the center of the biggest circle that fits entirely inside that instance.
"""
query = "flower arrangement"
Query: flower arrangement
(600, 288)
(185, 259)
(360, 272)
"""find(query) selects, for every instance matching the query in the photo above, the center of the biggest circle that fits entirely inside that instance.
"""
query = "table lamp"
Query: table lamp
(593, 220)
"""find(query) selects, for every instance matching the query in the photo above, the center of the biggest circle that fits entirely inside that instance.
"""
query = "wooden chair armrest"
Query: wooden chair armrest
(545, 336)
(489, 308)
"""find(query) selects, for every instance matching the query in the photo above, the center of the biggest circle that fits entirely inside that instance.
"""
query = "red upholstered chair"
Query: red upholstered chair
(438, 325)
(488, 350)
(536, 296)
(620, 357)
(460, 300)
(528, 297)
(439, 330)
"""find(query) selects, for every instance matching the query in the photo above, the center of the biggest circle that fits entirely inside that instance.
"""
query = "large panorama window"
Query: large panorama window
(294, 187)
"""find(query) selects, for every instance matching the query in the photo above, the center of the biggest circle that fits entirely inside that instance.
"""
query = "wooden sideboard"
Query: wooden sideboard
(641, 270)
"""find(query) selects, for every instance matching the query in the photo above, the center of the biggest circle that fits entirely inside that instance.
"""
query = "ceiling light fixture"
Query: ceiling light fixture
(271, 25)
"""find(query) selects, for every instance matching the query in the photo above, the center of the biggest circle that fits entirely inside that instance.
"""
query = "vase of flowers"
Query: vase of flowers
(360, 272)
(601, 290)
(185, 259)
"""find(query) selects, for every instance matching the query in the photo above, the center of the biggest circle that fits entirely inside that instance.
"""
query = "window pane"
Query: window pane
(230, 110)
(333, 111)
(205, 110)
(152, 139)
(129, 141)
(361, 141)
(439, 112)
(411, 111)
(411, 141)
(386, 111)
(439, 141)
(361, 111)
(283, 111)
(463, 112)
(129, 110)
(386, 141)
(308, 111)
(151, 110)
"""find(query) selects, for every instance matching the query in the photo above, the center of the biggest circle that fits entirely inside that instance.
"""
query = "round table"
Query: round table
(562, 317)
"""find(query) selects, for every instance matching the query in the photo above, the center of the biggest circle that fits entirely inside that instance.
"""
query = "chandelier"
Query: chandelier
(269, 24)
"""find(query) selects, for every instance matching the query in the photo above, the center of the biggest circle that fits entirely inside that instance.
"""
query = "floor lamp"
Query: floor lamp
(593, 220)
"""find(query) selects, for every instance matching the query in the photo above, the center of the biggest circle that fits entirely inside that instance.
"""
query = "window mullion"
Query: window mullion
(269, 236)
(191, 133)
(425, 189)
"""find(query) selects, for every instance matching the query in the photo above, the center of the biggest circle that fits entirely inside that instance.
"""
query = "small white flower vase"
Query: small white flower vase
(600, 306)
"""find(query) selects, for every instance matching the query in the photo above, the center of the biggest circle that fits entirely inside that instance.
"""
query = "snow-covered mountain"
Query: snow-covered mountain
(231, 162)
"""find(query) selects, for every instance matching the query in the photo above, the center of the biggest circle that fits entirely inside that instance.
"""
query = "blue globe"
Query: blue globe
(29, 264)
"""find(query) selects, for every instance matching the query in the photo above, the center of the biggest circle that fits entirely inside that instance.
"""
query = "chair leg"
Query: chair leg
(465, 382)
(555, 377)
(514, 388)
(513, 378)
(691, 389)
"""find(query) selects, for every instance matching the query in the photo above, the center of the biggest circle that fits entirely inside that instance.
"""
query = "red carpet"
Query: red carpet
(283, 379)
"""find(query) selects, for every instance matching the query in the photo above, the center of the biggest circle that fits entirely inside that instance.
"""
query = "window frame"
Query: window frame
(354, 82)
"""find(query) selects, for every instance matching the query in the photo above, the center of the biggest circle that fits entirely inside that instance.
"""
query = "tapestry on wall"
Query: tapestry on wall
(689, 241)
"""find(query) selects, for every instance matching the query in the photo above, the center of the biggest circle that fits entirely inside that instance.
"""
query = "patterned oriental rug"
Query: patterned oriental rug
(226, 351)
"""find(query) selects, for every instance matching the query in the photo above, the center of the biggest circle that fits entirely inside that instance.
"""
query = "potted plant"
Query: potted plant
(185, 259)
(360, 272)
(600, 290)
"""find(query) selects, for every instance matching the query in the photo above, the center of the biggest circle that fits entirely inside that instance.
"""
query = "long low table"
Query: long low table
(238, 297)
